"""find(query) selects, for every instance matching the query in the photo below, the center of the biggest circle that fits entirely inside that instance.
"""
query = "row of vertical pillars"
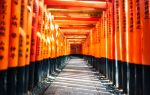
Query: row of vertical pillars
(125, 76)
(118, 47)
(29, 46)
(20, 80)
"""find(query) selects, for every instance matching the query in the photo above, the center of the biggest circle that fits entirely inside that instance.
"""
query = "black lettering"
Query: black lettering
(26, 56)
(20, 52)
(2, 23)
(27, 50)
(12, 55)
(1, 57)
(2, 33)
(27, 43)
(14, 35)
(16, 2)
(2, 48)
(14, 23)
(32, 52)
(2, 28)
(14, 18)
(2, 43)
(12, 48)
(27, 36)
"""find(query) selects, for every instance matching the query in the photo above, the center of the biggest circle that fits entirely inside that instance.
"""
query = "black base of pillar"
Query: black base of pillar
(20, 80)
(114, 72)
(146, 80)
(120, 78)
(139, 80)
(37, 72)
(109, 69)
(31, 76)
(26, 78)
(3, 82)
(103, 66)
(50, 66)
(124, 76)
(11, 81)
(131, 79)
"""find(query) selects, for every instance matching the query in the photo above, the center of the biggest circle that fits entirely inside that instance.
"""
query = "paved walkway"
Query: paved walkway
(76, 79)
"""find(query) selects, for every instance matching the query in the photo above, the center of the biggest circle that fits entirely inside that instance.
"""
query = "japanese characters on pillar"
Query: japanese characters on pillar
(91, 43)
(103, 36)
(43, 33)
(60, 41)
(14, 33)
(59, 44)
(146, 27)
(145, 16)
(51, 34)
(47, 33)
(56, 40)
(48, 37)
(22, 34)
(109, 29)
(93, 48)
(113, 34)
(52, 38)
(29, 30)
(94, 43)
(122, 24)
(34, 30)
(39, 32)
(137, 34)
(53, 43)
(117, 31)
(5, 10)
(98, 38)
(130, 31)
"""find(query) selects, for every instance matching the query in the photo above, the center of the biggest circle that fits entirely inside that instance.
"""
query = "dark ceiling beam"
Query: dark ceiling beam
(74, 10)
(78, 18)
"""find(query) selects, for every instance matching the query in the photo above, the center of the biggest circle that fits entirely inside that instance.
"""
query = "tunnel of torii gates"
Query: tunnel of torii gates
(37, 36)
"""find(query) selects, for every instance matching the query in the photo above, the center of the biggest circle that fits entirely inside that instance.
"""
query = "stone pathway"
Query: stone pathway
(77, 78)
